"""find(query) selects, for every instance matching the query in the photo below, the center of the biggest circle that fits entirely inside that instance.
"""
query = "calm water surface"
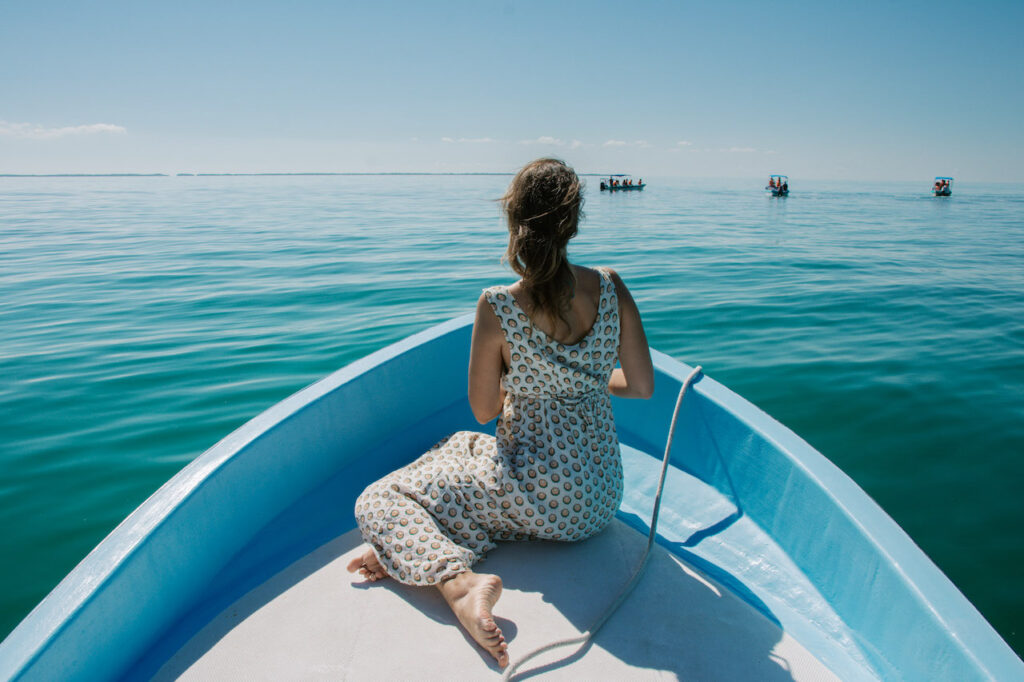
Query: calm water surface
(142, 319)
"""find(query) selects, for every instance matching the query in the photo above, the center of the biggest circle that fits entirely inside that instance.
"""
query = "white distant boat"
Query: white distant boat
(771, 564)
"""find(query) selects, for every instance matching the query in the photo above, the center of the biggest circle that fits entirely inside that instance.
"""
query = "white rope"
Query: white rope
(589, 634)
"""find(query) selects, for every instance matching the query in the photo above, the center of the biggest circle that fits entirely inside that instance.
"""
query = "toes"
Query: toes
(372, 574)
(366, 562)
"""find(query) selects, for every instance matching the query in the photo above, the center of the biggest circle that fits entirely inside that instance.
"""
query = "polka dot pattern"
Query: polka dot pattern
(551, 472)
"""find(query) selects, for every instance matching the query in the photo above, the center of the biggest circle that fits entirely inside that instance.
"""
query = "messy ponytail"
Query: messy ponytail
(544, 205)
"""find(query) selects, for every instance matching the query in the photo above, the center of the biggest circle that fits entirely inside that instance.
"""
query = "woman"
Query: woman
(543, 360)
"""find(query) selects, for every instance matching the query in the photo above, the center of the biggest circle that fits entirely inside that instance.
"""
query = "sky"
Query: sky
(817, 90)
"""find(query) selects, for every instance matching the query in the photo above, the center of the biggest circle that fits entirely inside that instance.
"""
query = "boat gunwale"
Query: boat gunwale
(918, 573)
(928, 586)
(72, 595)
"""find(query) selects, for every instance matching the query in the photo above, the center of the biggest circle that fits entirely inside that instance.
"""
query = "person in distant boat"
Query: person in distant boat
(785, 186)
(543, 361)
(641, 183)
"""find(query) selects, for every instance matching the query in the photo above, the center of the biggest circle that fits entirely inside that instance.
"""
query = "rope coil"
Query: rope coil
(625, 592)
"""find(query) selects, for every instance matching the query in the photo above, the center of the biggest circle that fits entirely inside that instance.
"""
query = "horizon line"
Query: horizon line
(272, 174)
(445, 173)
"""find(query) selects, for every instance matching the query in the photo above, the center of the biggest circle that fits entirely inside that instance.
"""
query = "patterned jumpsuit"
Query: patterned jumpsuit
(552, 472)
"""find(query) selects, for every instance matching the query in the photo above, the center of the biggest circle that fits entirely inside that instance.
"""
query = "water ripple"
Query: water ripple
(143, 319)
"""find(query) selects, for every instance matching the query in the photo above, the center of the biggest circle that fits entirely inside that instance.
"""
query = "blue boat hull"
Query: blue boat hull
(790, 534)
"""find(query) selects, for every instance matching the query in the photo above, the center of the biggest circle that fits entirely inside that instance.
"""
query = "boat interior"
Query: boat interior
(770, 563)
(315, 620)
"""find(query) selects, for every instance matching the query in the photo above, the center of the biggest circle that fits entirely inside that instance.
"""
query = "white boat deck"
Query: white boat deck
(314, 620)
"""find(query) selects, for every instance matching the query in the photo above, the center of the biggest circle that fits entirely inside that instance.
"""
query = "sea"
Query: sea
(142, 319)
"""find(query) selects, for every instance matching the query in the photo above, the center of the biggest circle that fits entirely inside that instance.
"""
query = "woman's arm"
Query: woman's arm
(634, 378)
(486, 364)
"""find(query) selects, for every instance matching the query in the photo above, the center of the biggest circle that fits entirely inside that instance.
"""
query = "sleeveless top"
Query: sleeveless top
(556, 433)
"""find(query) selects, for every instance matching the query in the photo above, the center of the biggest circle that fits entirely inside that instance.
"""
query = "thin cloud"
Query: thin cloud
(739, 150)
(684, 143)
(575, 144)
(34, 131)
(642, 144)
(546, 139)
(467, 140)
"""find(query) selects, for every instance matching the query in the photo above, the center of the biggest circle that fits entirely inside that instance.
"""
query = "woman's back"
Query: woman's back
(580, 317)
(542, 364)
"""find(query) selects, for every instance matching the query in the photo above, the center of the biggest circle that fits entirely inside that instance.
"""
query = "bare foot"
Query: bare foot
(472, 596)
(367, 565)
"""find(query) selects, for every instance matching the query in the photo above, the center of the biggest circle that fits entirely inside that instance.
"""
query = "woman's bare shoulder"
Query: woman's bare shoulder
(487, 324)
(588, 280)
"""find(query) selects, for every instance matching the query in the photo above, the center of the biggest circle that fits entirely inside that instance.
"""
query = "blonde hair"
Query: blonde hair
(543, 205)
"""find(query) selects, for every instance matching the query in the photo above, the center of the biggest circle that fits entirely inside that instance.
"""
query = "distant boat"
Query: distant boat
(617, 182)
(778, 185)
(943, 186)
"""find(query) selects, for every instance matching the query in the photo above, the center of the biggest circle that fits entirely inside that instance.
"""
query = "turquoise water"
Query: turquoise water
(142, 319)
